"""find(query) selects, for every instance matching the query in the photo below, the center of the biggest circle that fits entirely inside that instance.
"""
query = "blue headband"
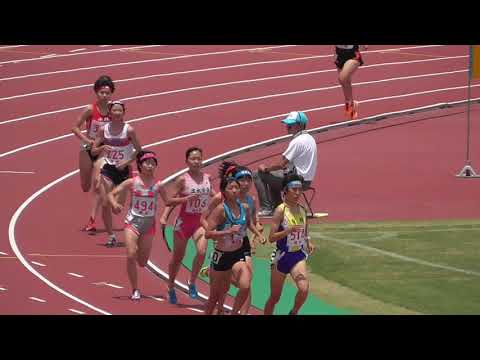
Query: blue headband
(294, 183)
(242, 174)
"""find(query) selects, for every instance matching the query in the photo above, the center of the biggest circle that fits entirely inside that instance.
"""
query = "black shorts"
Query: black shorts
(93, 158)
(343, 55)
(224, 260)
(247, 249)
(115, 175)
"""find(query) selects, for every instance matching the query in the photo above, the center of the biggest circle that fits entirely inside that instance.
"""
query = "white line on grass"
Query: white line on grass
(394, 255)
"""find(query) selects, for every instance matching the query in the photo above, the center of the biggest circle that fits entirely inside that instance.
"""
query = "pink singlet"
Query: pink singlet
(188, 220)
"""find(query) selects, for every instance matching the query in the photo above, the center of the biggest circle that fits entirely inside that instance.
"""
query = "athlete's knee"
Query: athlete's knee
(274, 298)
(343, 79)
(201, 253)
(132, 254)
(86, 185)
(142, 262)
(302, 287)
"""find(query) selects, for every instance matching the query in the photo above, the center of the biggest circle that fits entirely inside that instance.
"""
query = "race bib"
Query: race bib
(196, 205)
(216, 255)
(144, 206)
(116, 155)
(295, 240)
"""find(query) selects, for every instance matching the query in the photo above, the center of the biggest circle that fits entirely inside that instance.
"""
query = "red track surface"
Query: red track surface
(401, 168)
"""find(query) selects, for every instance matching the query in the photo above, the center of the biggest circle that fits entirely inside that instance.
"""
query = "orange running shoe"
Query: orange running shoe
(354, 110)
(348, 110)
(351, 110)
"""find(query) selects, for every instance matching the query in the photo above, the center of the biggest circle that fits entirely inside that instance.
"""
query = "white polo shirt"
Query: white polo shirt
(302, 154)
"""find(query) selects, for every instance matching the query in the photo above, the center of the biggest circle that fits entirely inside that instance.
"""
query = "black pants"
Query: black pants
(269, 188)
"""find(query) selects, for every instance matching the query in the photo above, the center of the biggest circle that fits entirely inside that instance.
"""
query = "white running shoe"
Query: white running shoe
(136, 295)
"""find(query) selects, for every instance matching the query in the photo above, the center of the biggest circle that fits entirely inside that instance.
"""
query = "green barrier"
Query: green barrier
(261, 285)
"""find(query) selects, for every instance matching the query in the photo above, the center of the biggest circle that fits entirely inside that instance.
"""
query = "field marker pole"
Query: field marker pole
(468, 171)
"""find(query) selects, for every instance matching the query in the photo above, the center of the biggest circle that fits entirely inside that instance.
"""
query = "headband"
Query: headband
(294, 183)
(243, 173)
(148, 156)
(116, 102)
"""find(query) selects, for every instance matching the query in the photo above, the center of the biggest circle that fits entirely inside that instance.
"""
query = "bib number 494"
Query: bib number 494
(144, 207)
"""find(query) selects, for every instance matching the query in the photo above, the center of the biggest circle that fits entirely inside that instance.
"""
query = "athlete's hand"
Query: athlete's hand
(262, 239)
(310, 247)
(294, 228)
(192, 197)
(234, 229)
(260, 227)
(106, 148)
(117, 208)
(163, 221)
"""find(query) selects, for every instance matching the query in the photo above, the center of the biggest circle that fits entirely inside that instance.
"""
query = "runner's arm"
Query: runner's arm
(82, 119)
(120, 189)
(216, 200)
(97, 148)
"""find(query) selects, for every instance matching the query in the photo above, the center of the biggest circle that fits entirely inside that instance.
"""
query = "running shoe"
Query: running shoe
(351, 110)
(90, 227)
(135, 295)
(204, 271)
(192, 291)
(172, 296)
(348, 110)
(265, 212)
(112, 242)
(291, 313)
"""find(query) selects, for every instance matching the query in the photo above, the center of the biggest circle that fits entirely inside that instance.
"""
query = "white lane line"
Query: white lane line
(104, 45)
(230, 67)
(76, 311)
(190, 56)
(108, 284)
(11, 46)
(197, 310)
(155, 298)
(238, 82)
(75, 50)
(19, 255)
(2, 253)
(37, 263)
(16, 172)
(76, 275)
(394, 255)
(3, 289)
(245, 122)
(131, 62)
(37, 299)
(87, 52)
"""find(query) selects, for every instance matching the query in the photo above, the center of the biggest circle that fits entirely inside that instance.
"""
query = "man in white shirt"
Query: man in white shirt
(300, 157)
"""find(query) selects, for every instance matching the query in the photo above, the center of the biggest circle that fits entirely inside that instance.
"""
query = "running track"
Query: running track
(401, 168)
